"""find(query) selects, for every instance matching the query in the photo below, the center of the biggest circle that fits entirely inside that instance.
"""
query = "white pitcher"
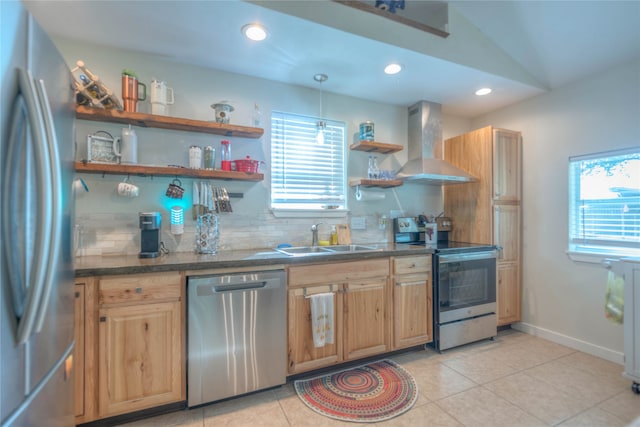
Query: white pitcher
(161, 97)
(126, 147)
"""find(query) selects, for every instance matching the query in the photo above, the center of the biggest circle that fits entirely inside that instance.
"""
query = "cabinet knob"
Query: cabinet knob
(138, 290)
(103, 318)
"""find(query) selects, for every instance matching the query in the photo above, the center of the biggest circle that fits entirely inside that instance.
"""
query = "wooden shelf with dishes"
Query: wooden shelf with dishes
(142, 170)
(376, 147)
(166, 122)
(384, 183)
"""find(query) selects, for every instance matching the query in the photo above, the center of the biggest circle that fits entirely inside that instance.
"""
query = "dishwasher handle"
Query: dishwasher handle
(239, 286)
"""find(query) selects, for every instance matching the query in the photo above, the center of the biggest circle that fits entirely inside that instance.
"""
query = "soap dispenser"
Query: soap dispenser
(334, 236)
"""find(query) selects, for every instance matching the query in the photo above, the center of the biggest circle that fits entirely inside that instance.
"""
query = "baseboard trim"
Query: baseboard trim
(586, 347)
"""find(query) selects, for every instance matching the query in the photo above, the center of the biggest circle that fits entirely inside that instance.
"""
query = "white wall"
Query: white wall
(109, 223)
(564, 300)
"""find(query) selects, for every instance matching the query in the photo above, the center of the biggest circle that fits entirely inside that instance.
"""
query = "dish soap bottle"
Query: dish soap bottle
(334, 236)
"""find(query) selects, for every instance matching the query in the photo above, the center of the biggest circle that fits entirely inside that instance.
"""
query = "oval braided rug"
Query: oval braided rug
(370, 393)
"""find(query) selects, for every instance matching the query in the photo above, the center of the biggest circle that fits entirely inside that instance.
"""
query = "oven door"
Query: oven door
(465, 285)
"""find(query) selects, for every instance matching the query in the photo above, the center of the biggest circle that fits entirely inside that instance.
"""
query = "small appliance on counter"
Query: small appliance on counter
(415, 231)
(150, 234)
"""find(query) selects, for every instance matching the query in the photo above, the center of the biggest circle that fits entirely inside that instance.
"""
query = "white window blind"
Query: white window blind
(306, 174)
(604, 203)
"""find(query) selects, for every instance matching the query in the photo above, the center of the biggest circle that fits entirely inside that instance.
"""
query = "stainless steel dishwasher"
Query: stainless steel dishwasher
(236, 334)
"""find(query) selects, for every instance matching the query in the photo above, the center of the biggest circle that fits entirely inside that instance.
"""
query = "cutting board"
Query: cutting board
(344, 234)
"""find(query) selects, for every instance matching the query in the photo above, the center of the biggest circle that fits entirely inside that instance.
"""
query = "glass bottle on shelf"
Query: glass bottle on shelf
(375, 171)
(370, 168)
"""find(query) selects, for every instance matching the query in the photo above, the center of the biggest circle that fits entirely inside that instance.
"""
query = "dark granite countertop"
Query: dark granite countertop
(179, 261)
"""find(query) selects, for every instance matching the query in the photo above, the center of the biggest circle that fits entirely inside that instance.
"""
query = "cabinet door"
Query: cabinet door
(506, 231)
(140, 350)
(507, 160)
(302, 354)
(412, 310)
(509, 293)
(365, 318)
(470, 204)
(79, 349)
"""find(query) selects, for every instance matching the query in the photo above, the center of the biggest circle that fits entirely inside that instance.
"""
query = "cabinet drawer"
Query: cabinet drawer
(412, 264)
(139, 288)
(339, 272)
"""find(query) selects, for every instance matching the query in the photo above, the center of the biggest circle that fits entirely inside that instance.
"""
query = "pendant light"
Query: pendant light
(321, 126)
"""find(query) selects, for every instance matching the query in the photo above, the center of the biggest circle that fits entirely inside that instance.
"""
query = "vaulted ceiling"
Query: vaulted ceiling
(518, 48)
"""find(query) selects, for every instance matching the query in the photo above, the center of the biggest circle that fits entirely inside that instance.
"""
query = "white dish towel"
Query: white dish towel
(322, 319)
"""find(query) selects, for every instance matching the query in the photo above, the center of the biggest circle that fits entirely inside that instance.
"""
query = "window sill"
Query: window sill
(600, 256)
(312, 213)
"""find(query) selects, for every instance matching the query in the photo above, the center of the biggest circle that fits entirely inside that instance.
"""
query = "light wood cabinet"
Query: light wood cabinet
(412, 301)
(362, 309)
(141, 342)
(366, 318)
(489, 210)
(508, 296)
(302, 354)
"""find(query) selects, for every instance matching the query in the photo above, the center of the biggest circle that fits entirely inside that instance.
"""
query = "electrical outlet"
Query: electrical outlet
(358, 223)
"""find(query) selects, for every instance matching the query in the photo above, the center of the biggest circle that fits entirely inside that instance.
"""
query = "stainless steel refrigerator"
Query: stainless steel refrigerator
(36, 213)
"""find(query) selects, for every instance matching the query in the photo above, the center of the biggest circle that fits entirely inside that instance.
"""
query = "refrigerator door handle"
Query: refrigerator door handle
(54, 182)
(27, 288)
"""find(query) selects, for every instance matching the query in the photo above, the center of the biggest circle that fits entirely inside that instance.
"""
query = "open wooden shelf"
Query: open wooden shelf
(384, 183)
(166, 122)
(377, 147)
(142, 170)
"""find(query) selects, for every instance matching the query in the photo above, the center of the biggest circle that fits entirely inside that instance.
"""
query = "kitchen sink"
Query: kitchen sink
(304, 250)
(351, 248)
(325, 250)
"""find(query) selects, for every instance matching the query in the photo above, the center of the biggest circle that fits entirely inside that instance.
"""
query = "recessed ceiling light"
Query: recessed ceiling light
(255, 32)
(393, 68)
(483, 91)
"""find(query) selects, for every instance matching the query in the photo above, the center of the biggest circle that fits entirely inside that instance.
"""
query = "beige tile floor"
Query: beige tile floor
(515, 380)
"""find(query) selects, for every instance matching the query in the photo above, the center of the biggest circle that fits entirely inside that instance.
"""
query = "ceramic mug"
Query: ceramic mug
(175, 190)
(127, 189)
(161, 97)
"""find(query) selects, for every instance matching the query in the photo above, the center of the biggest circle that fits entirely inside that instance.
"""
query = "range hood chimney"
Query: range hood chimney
(425, 130)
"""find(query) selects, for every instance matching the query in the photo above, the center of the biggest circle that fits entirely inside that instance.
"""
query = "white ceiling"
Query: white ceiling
(519, 48)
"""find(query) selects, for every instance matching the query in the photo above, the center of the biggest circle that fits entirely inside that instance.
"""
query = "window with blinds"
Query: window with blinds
(604, 203)
(307, 174)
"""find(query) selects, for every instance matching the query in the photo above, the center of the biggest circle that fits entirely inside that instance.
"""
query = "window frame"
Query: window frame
(593, 247)
(279, 209)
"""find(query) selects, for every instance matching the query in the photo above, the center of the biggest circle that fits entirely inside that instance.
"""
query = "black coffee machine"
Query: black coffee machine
(150, 234)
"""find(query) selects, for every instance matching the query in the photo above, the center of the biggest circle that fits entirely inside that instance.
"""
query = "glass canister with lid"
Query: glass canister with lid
(366, 131)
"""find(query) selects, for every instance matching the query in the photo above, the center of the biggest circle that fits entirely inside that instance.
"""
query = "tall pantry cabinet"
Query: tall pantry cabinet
(489, 210)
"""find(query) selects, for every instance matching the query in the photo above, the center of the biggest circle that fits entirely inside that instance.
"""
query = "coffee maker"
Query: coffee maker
(149, 234)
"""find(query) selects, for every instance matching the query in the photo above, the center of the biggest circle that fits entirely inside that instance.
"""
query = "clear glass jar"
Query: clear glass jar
(195, 157)
(209, 157)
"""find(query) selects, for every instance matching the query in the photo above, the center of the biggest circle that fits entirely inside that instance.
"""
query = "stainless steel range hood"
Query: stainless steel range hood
(425, 130)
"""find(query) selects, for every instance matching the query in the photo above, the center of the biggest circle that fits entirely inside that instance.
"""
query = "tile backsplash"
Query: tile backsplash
(119, 234)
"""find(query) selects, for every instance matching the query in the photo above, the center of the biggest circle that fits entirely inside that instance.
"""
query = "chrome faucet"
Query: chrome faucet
(314, 234)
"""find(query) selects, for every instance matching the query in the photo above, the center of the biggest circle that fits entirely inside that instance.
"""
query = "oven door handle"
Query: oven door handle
(443, 259)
